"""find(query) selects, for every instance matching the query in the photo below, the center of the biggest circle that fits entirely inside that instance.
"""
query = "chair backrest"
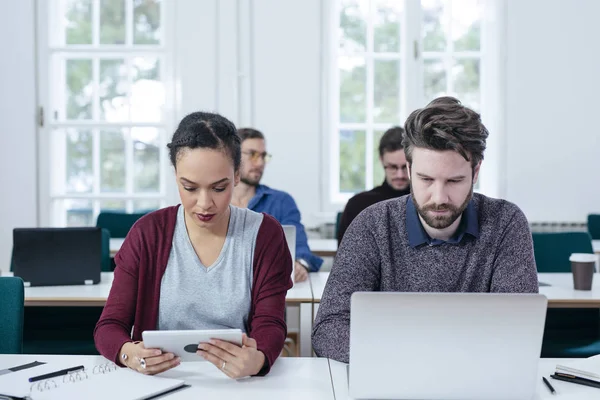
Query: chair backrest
(552, 249)
(106, 264)
(12, 302)
(118, 224)
(593, 224)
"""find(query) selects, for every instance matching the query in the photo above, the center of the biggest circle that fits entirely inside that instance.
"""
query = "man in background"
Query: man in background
(249, 193)
(396, 183)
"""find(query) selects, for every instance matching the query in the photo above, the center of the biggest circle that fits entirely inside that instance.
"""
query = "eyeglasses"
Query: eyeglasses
(394, 168)
(255, 156)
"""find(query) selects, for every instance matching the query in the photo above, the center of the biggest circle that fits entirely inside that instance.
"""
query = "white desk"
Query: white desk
(596, 246)
(320, 247)
(560, 294)
(290, 378)
(564, 390)
(72, 295)
(115, 245)
(323, 247)
(95, 296)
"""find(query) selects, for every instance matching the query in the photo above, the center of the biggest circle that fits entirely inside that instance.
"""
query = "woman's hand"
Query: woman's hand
(146, 361)
(235, 362)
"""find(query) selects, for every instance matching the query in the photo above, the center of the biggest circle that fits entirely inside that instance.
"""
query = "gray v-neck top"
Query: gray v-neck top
(194, 296)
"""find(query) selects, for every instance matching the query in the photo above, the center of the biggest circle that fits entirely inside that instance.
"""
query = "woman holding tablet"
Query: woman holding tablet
(200, 265)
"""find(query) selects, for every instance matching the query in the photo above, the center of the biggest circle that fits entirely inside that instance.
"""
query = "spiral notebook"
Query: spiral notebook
(95, 382)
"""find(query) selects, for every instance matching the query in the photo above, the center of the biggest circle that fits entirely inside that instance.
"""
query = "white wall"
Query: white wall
(553, 75)
(18, 156)
(273, 50)
(287, 96)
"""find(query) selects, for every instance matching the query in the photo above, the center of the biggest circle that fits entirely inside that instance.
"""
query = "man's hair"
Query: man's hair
(250, 133)
(445, 124)
(391, 140)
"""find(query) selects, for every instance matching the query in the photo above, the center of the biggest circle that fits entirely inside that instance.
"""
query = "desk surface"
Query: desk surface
(320, 247)
(560, 294)
(290, 378)
(96, 295)
(564, 390)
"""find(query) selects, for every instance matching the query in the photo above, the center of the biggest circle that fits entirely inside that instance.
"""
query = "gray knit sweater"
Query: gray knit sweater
(375, 256)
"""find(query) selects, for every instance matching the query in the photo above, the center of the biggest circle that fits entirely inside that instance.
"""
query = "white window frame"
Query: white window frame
(491, 92)
(49, 185)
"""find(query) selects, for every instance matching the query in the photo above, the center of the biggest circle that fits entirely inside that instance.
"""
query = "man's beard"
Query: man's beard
(441, 221)
(250, 181)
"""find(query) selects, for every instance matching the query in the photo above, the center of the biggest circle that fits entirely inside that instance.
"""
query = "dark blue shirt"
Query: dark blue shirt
(417, 236)
(283, 208)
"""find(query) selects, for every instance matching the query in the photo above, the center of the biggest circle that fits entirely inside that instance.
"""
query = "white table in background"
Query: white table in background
(320, 247)
(290, 378)
(71, 295)
(561, 293)
(596, 246)
(564, 390)
(323, 247)
(95, 296)
(115, 245)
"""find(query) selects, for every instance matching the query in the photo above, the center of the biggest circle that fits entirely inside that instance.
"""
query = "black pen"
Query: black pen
(549, 385)
(57, 373)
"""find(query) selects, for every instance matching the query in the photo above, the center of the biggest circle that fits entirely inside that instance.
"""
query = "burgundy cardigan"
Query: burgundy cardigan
(142, 261)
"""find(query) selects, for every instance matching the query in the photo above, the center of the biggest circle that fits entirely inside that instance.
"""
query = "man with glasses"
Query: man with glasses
(396, 184)
(249, 193)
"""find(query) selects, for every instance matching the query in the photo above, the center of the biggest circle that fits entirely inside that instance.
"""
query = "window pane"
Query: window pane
(378, 174)
(112, 161)
(466, 24)
(113, 205)
(79, 165)
(434, 77)
(435, 25)
(352, 161)
(113, 90)
(146, 160)
(352, 89)
(146, 22)
(112, 21)
(79, 212)
(465, 74)
(78, 21)
(147, 91)
(386, 29)
(146, 205)
(79, 89)
(386, 91)
(353, 25)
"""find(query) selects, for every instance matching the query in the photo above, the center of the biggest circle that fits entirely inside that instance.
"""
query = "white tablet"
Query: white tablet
(184, 344)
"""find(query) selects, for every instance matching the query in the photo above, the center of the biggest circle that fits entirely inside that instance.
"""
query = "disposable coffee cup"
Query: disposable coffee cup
(582, 266)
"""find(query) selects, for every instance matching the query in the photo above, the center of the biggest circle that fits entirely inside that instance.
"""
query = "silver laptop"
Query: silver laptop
(290, 238)
(434, 346)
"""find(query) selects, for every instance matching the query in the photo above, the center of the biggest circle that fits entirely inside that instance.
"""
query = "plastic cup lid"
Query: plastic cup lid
(583, 257)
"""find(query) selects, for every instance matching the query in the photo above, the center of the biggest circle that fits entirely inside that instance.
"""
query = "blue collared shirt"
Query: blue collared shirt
(417, 236)
(283, 208)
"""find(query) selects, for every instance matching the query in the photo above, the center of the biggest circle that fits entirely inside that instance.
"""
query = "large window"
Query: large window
(105, 90)
(390, 57)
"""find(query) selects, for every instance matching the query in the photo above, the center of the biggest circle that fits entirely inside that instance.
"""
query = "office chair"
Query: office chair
(12, 305)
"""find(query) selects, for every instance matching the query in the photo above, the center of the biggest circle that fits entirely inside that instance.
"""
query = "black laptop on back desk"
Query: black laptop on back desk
(57, 256)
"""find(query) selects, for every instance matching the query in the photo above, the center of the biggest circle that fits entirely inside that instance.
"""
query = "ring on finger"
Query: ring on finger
(223, 366)
(142, 363)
